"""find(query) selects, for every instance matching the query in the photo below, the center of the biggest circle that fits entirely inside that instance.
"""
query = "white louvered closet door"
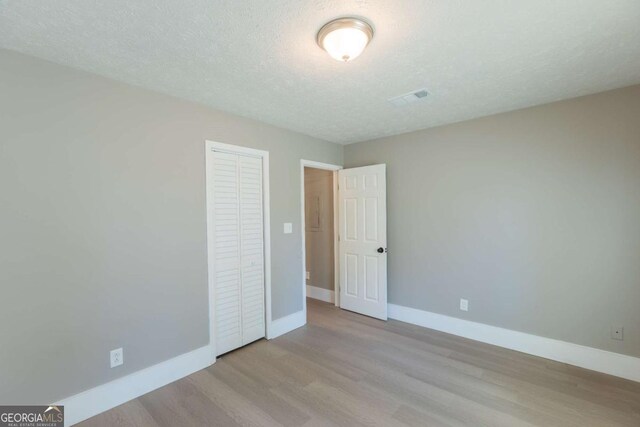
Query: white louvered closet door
(251, 249)
(238, 250)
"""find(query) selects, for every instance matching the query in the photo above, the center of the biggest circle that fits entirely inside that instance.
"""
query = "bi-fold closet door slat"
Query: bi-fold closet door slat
(251, 249)
(238, 250)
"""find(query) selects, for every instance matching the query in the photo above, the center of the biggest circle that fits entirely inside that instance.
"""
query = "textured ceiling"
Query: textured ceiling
(258, 58)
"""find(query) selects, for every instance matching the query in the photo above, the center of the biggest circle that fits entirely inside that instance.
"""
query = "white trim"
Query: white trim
(591, 358)
(94, 401)
(210, 238)
(288, 323)
(236, 149)
(336, 241)
(319, 165)
(322, 294)
(267, 242)
(335, 168)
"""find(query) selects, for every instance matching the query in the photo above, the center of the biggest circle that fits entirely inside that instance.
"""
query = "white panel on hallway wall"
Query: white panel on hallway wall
(313, 213)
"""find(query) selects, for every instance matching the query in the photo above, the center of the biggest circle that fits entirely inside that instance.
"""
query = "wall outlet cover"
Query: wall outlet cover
(288, 228)
(464, 304)
(617, 333)
(308, 275)
(117, 357)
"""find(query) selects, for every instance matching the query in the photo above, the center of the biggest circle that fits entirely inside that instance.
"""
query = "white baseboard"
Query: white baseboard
(94, 401)
(321, 294)
(287, 324)
(594, 359)
(89, 403)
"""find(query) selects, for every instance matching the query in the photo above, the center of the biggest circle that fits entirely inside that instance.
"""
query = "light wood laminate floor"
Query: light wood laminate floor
(350, 370)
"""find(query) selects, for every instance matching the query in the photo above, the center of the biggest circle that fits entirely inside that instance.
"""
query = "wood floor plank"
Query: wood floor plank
(131, 414)
(343, 369)
(182, 404)
(414, 417)
(237, 406)
(278, 408)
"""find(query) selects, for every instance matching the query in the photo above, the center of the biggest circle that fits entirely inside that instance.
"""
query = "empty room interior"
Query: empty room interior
(318, 212)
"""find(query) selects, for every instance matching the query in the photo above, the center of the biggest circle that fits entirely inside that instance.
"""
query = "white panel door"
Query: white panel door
(238, 250)
(362, 220)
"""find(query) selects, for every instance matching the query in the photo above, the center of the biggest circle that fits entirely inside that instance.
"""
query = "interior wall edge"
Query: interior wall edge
(287, 324)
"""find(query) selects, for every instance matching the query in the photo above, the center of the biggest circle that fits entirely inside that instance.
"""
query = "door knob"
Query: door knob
(381, 250)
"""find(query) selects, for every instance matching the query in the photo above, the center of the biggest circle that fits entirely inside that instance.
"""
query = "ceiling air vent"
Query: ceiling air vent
(409, 98)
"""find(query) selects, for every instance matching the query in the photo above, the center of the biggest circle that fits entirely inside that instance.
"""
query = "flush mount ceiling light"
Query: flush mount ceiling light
(344, 39)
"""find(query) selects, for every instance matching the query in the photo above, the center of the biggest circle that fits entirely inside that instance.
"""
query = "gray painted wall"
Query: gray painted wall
(319, 236)
(103, 227)
(532, 215)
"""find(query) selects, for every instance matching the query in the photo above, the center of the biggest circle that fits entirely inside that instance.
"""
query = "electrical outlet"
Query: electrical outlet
(617, 333)
(288, 228)
(308, 275)
(117, 357)
(464, 304)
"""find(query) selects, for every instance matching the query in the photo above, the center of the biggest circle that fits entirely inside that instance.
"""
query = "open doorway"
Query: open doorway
(319, 233)
(359, 250)
(319, 219)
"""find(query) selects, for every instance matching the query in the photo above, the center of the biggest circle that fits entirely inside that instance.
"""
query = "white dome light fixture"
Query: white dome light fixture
(344, 39)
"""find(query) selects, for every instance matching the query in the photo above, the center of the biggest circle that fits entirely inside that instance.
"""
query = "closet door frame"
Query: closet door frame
(210, 147)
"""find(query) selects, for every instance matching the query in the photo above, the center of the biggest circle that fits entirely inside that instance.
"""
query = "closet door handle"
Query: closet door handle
(382, 250)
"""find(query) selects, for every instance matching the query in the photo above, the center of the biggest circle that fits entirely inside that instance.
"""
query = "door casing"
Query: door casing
(336, 272)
